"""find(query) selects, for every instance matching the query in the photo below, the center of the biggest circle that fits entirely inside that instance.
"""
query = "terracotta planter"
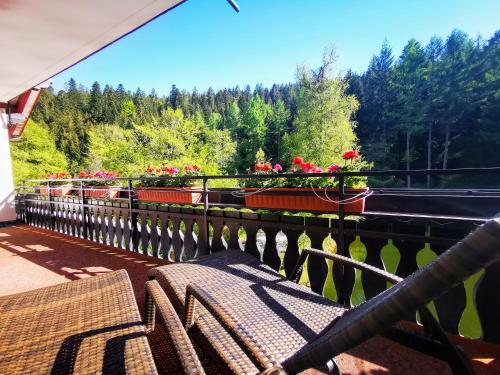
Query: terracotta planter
(102, 192)
(181, 195)
(56, 191)
(303, 199)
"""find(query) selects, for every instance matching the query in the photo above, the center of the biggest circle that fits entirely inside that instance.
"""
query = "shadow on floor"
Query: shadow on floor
(31, 258)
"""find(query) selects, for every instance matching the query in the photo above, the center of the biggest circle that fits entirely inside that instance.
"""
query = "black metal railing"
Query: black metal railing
(400, 230)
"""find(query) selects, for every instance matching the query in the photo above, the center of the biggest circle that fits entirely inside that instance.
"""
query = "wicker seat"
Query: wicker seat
(258, 321)
(256, 294)
(86, 326)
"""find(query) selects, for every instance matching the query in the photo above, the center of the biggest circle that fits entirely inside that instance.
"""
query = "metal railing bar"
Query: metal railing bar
(392, 172)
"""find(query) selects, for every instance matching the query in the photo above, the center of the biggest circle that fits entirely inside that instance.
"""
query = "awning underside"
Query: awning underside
(42, 38)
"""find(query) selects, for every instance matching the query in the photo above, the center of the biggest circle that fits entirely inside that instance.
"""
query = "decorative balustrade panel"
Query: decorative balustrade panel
(399, 245)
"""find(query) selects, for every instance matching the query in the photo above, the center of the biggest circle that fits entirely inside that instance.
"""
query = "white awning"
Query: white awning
(40, 38)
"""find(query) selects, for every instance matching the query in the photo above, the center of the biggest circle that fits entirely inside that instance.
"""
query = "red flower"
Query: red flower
(149, 170)
(307, 167)
(353, 154)
(297, 160)
(158, 170)
(196, 168)
(266, 167)
(188, 168)
(334, 168)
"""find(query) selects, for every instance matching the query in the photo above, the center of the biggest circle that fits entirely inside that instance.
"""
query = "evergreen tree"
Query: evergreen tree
(174, 97)
(323, 125)
(95, 107)
(276, 129)
(410, 84)
(253, 129)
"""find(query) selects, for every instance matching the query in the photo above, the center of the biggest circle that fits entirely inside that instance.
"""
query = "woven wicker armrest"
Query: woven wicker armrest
(387, 276)
(243, 338)
(156, 298)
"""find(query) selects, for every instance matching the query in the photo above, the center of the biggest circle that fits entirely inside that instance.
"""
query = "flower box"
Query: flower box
(57, 190)
(102, 192)
(304, 199)
(182, 195)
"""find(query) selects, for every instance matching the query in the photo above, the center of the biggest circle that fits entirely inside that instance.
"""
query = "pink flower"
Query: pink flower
(333, 168)
(277, 167)
(175, 170)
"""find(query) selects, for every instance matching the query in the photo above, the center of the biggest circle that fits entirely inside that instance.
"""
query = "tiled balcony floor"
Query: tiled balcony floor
(31, 258)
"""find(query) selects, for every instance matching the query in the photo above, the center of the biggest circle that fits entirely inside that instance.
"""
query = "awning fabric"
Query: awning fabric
(42, 38)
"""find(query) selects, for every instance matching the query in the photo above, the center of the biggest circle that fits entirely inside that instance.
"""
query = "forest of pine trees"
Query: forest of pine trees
(433, 106)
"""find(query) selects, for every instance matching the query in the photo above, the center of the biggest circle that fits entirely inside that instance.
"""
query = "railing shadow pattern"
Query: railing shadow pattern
(179, 233)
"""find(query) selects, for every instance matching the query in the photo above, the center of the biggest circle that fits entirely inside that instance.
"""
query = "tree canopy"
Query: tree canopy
(437, 105)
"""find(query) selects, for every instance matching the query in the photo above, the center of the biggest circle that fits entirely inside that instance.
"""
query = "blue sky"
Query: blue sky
(205, 43)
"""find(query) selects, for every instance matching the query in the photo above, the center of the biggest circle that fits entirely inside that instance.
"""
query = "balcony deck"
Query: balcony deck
(31, 258)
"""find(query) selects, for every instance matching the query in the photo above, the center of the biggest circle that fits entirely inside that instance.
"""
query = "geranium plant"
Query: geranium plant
(102, 178)
(56, 177)
(305, 191)
(353, 161)
(262, 167)
(157, 190)
(181, 175)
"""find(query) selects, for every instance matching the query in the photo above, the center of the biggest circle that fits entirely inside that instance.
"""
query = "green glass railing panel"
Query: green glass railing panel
(282, 265)
(304, 277)
(329, 290)
(470, 324)
(304, 242)
(390, 256)
(424, 257)
(357, 251)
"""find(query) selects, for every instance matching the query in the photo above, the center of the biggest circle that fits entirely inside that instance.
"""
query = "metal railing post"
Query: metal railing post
(341, 242)
(82, 207)
(133, 218)
(205, 213)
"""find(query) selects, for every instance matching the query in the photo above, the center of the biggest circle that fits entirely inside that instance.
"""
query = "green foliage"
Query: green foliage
(323, 124)
(253, 129)
(435, 106)
(35, 154)
(112, 148)
(71, 137)
(432, 107)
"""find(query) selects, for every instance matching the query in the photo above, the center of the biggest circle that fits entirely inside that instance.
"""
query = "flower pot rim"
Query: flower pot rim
(307, 189)
(169, 187)
(65, 185)
(103, 186)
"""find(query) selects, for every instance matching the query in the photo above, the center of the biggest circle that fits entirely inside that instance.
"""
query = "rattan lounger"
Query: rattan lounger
(257, 321)
(87, 326)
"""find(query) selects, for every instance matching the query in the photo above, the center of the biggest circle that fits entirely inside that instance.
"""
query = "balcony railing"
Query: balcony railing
(400, 230)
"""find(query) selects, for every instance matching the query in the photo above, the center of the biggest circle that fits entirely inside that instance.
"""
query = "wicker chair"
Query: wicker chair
(86, 326)
(259, 322)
